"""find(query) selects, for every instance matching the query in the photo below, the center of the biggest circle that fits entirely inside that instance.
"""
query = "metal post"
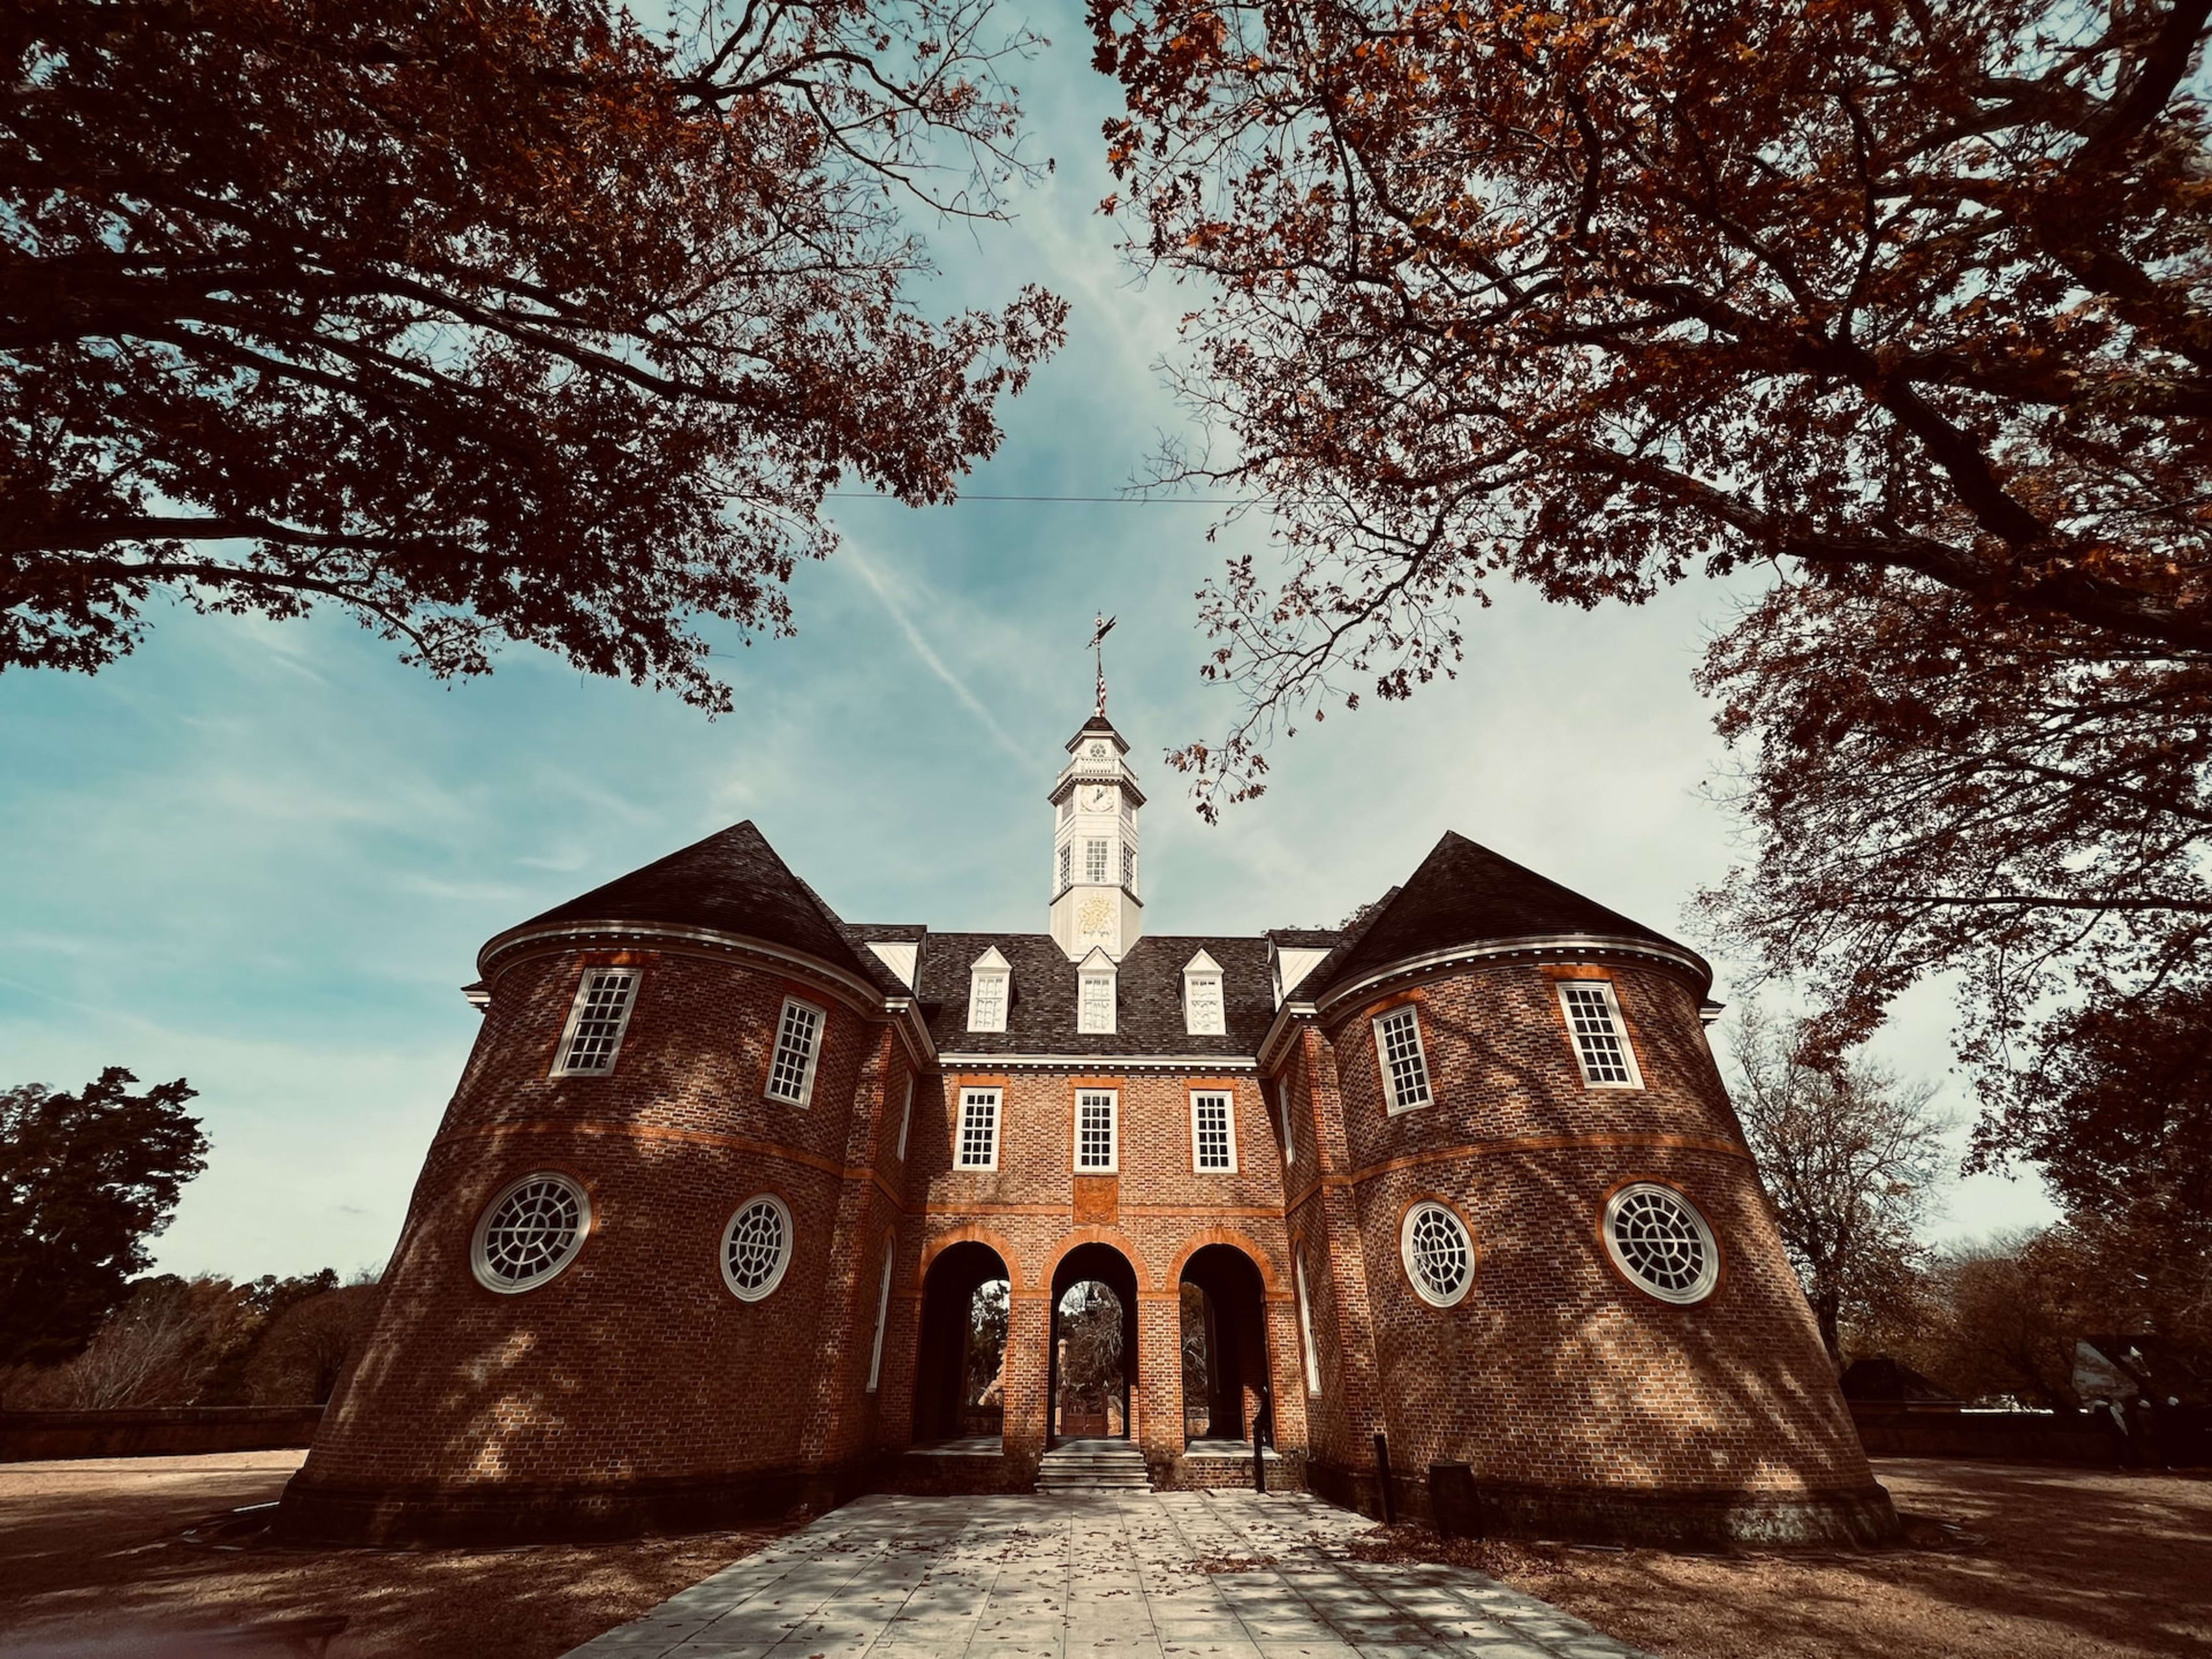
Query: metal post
(1382, 1470)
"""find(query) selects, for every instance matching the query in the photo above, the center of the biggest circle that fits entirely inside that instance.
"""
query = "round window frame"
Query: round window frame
(1406, 1253)
(1707, 1282)
(479, 1265)
(767, 1288)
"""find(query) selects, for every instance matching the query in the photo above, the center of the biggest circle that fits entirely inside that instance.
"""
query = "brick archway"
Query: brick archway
(937, 1245)
(1112, 1237)
(1271, 1279)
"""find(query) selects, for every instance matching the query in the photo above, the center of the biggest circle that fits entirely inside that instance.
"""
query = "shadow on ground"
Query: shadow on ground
(113, 1557)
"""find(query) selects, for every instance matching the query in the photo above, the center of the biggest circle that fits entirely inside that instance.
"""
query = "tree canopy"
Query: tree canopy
(1906, 305)
(488, 322)
(86, 1179)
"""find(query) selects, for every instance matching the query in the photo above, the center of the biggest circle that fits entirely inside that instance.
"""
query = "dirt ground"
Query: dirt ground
(103, 1557)
(100, 1559)
(2002, 1561)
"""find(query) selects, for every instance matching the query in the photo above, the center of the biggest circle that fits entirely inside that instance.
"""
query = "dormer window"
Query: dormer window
(1094, 1007)
(1201, 997)
(990, 987)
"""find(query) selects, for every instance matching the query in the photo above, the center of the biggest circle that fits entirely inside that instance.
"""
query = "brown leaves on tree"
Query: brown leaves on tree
(1595, 295)
(487, 322)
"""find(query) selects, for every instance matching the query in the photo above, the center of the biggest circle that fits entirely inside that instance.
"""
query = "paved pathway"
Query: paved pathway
(1224, 1575)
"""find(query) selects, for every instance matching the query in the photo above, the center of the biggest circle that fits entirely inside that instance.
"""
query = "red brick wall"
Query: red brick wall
(636, 1365)
(1555, 1369)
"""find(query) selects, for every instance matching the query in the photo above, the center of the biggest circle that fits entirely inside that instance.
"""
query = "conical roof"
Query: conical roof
(1465, 894)
(733, 881)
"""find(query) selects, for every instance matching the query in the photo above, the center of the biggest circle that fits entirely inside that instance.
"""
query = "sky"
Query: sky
(262, 856)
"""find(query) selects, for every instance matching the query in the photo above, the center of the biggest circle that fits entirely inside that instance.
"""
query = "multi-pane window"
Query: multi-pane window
(1283, 1116)
(1305, 1326)
(1404, 1068)
(883, 1316)
(798, 1046)
(1095, 1012)
(1067, 863)
(596, 1022)
(906, 1114)
(1128, 865)
(1094, 1131)
(1212, 1134)
(1601, 1044)
(987, 1002)
(979, 1130)
(1202, 1005)
(1094, 860)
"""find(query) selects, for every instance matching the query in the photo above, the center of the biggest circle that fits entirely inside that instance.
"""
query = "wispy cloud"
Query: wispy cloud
(853, 556)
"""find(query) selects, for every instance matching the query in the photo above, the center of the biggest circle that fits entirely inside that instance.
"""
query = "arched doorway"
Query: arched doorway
(1093, 1365)
(1224, 1344)
(959, 1377)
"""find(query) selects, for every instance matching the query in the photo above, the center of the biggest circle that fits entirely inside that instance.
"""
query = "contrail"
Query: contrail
(922, 649)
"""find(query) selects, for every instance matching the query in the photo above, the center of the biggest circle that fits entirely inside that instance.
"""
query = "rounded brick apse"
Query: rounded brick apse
(1644, 1370)
(738, 1207)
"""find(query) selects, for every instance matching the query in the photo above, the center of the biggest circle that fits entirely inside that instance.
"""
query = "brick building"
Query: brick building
(738, 1203)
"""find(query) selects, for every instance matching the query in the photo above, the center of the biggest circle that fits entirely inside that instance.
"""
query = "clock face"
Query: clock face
(1098, 752)
(1095, 919)
(1100, 795)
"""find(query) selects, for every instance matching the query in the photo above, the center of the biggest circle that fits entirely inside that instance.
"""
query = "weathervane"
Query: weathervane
(1098, 649)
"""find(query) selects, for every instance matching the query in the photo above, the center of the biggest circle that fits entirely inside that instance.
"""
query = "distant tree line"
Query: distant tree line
(87, 1180)
(1854, 1157)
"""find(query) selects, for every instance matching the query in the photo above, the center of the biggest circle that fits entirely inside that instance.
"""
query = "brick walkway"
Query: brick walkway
(1206, 1575)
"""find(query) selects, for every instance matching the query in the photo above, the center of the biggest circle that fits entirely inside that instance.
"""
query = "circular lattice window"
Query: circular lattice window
(532, 1230)
(1439, 1254)
(756, 1248)
(1657, 1238)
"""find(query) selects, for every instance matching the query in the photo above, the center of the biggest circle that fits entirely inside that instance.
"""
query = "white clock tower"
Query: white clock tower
(1095, 803)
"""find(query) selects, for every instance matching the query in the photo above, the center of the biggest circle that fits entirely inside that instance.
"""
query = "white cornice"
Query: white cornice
(1535, 947)
(864, 999)
(1098, 1062)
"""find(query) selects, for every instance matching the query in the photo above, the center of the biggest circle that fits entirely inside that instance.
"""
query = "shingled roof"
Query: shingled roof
(1148, 995)
(734, 883)
(1465, 894)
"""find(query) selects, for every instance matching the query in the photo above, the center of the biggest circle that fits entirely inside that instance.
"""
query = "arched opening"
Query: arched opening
(1094, 1344)
(1224, 1344)
(959, 1377)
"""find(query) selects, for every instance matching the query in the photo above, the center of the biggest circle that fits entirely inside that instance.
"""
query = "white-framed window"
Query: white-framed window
(1129, 865)
(906, 1116)
(1438, 1253)
(1094, 1012)
(1305, 1326)
(798, 1048)
(1098, 1143)
(1283, 1124)
(1066, 862)
(1094, 860)
(1212, 1131)
(1659, 1239)
(1601, 1046)
(757, 1247)
(1202, 1013)
(529, 1232)
(597, 1020)
(979, 1130)
(1405, 1066)
(883, 1315)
